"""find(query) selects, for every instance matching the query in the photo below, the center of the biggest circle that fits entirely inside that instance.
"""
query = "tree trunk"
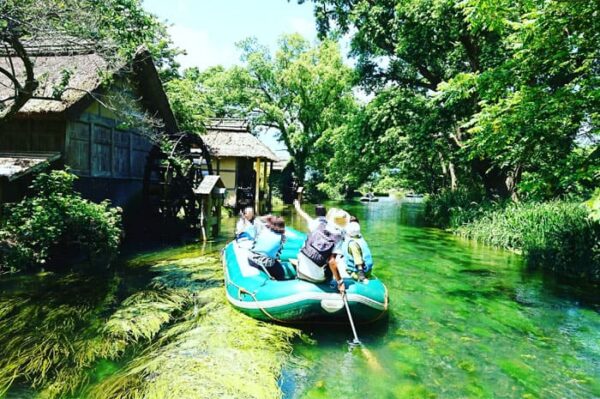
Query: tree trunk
(299, 161)
(22, 92)
(453, 180)
(513, 178)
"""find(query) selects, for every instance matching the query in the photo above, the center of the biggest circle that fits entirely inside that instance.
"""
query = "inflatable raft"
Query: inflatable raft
(291, 301)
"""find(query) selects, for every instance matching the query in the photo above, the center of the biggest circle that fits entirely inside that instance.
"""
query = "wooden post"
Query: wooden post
(270, 188)
(257, 191)
(265, 185)
(203, 219)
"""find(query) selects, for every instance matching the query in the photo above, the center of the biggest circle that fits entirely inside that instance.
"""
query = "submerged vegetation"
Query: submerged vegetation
(54, 222)
(174, 329)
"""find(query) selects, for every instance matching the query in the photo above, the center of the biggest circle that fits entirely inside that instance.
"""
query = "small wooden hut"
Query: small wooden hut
(211, 193)
(243, 162)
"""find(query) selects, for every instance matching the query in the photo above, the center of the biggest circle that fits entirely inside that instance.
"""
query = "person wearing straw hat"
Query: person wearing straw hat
(317, 259)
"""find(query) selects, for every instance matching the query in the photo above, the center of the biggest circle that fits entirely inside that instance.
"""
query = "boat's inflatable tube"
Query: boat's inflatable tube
(251, 291)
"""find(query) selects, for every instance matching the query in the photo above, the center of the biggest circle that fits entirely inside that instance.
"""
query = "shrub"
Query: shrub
(451, 209)
(55, 221)
(558, 236)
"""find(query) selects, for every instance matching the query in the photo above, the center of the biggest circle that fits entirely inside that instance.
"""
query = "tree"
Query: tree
(113, 28)
(302, 91)
(506, 89)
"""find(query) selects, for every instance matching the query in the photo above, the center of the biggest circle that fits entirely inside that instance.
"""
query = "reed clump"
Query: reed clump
(558, 236)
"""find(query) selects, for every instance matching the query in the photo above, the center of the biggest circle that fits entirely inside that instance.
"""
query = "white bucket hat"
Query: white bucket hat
(339, 217)
(353, 229)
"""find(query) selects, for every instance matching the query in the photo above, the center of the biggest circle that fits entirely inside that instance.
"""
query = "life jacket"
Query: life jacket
(268, 243)
(366, 254)
(320, 244)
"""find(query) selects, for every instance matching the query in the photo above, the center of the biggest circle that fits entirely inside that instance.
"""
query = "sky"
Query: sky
(209, 29)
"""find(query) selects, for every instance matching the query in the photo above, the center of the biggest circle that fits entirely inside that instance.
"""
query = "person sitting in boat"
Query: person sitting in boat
(356, 252)
(313, 223)
(265, 251)
(247, 226)
(317, 259)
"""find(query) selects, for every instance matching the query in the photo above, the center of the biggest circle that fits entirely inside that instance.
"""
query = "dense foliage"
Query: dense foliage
(54, 222)
(559, 236)
(501, 96)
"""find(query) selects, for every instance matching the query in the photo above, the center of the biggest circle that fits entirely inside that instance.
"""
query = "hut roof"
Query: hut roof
(232, 138)
(15, 165)
(82, 69)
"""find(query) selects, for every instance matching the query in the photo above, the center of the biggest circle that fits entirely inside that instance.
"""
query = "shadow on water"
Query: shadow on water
(465, 320)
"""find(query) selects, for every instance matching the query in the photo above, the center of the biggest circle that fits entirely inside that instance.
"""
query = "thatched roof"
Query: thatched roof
(84, 70)
(228, 124)
(232, 138)
(81, 68)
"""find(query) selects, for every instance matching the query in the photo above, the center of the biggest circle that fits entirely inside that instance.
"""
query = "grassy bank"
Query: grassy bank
(558, 236)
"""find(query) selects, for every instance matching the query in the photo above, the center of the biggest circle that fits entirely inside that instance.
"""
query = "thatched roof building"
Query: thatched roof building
(232, 138)
(72, 77)
(242, 160)
(73, 114)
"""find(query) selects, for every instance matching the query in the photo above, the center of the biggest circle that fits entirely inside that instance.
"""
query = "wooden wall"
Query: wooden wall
(97, 146)
(35, 135)
(226, 167)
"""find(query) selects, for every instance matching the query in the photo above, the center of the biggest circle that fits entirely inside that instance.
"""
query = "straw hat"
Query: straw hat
(339, 217)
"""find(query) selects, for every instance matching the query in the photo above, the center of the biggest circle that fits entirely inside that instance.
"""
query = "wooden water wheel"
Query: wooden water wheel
(171, 176)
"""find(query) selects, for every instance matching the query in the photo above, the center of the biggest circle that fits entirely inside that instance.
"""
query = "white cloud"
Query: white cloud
(201, 51)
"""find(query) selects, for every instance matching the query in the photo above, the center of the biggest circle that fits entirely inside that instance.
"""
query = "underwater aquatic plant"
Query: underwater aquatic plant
(176, 336)
(208, 350)
(50, 332)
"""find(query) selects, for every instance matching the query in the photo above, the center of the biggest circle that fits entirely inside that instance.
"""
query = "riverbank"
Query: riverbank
(561, 237)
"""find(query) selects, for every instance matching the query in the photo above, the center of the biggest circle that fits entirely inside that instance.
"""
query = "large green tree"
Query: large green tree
(502, 94)
(302, 91)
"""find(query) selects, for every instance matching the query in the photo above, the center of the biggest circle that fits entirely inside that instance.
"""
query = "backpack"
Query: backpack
(320, 244)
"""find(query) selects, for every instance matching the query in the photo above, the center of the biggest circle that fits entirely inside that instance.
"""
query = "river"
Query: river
(466, 321)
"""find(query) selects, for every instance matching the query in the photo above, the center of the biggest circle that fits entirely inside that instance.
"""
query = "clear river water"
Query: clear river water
(465, 321)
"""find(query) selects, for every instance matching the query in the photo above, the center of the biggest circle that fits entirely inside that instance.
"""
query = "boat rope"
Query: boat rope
(242, 290)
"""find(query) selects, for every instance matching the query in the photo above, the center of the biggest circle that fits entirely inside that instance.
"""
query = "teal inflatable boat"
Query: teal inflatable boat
(292, 301)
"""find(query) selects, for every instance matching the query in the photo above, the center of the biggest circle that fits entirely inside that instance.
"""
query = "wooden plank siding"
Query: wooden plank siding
(98, 147)
(32, 135)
